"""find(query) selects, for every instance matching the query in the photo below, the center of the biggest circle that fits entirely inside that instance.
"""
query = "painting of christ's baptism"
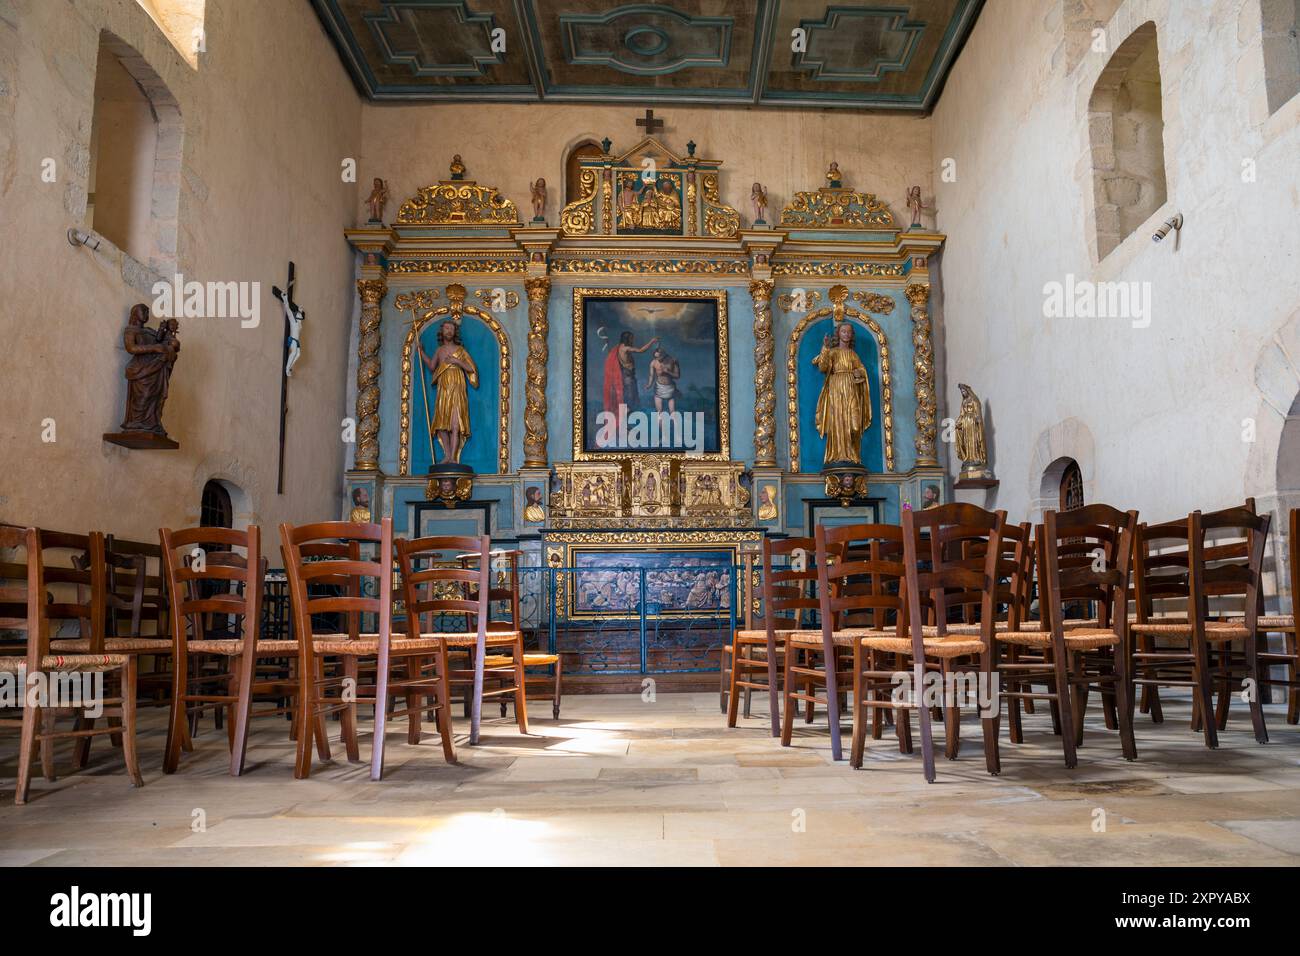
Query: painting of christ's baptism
(650, 374)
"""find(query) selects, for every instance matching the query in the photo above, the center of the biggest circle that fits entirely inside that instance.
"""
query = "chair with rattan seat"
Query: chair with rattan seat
(951, 581)
(1075, 659)
(757, 648)
(451, 576)
(1284, 625)
(26, 605)
(366, 584)
(506, 593)
(1230, 568)
(206, 576)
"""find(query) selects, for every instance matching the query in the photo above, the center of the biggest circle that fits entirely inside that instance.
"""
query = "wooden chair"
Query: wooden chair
(432, 588)
(936, 536)
(1075, 656)
(1284, 625)
(1196, 574)
(217, 582)
(727, 654)
(25, 607)
(552, 685)
(759, 647)
(354, 576)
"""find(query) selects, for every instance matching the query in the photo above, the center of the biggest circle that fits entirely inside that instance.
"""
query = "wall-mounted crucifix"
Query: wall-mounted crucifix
(649, 123)
(293, 320)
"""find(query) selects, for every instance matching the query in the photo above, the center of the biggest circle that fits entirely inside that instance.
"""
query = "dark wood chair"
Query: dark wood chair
(1284, 625)
(757, 650)
(506, 593)
(366, 586)
(25, 606)
(225, 582)
(435, 583)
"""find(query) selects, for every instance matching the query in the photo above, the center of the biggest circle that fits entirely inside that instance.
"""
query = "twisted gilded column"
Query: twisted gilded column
(539, 292)
(923, 362)
(372, 292)
(760, 290)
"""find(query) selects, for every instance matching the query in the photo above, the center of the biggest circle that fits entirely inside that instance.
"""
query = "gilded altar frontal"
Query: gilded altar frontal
(697, 432)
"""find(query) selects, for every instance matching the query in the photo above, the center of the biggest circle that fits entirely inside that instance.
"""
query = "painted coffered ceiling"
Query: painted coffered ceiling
(886, 56)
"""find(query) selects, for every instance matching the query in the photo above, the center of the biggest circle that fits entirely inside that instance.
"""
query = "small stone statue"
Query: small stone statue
(149, 372)
(915, 205)
(538, 190)
(758, 196)
(457, 168)
(971, 449)
(833, 179)
(377, 199)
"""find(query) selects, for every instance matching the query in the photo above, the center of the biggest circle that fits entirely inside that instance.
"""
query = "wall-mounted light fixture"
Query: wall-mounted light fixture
(1174, 222)
(77, 237)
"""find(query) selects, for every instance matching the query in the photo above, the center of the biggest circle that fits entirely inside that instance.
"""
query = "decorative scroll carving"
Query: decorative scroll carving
(923, 361)
(607, 203)
(539, 291)
(720, 220)
(615, 265)
(509, 298)
(372, 292)
(457, 204)
(579, 216)
(837, 269)
(838, 309)
(789, 300)
(692, 217)
(874, 302)
(420, 304)
(455, 266)
(829, 208)
(765, 375)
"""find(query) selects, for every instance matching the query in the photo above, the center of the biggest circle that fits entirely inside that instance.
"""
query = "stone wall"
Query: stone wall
(268, 117)
(1181, 411)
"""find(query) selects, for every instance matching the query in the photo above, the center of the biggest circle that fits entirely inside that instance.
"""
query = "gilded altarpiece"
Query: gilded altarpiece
(638, 560)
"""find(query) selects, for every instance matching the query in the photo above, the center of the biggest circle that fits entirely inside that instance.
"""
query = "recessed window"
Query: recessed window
(1126, 130)
(573, 169)
(181, 21)
(1280, 38)
(216, 509)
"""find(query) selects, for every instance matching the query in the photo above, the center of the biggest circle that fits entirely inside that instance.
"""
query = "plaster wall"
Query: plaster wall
(1184, 412)
(260, 183)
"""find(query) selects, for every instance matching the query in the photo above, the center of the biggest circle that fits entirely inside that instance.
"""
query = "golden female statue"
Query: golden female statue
(450, 371)
(970, 447)
(844, 406)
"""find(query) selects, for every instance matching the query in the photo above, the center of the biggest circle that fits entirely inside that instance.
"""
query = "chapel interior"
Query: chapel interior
(699, 432)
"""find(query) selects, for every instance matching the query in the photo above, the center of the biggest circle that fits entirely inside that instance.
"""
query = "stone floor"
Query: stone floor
(622, 781)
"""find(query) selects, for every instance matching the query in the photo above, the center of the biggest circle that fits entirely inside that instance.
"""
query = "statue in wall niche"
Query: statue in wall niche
(833, 178)
(360, 512)
(149, 371)
(844, 406)
(758, 197)
(970, 446)
(457, 168)
(377, 199)
(451, 372)
(538, 190)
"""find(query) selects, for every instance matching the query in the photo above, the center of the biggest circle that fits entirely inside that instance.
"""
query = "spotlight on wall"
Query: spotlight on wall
(78, 238)
(1175, 223)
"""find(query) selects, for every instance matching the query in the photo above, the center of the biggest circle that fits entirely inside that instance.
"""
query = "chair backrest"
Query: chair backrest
(1103, 578)
(788, 575)
(1229, 568)
(328, 553)
(952, 580)
(22, 591)
(206, 575)
(460, 560)
(503, 588)
(1161, 566)
(860, 575)
(137, 591)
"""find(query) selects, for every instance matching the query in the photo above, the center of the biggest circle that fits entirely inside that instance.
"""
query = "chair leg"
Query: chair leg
(1124, 702)
(1063, 705)
(521, 686)
(318, 722)
(1203, 691)
(859, 711)
(733, 699)
(245, 665)
(129, 755)
(306, 713)
(1225, 685)
(444, 706)
(348, 715)
(951, 714)
(176, 723)
(1293, 692)
(923, 712)
(832, 699)
(559, 680)
(381, 712)
(26, 753)
(1080, 697)
(414, 701)
(1257, 698)
(990, 725)
(724, 678)
(787, 710)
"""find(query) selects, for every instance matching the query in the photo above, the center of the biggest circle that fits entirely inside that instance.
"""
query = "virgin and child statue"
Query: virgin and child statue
(451, 373)
(844, 406)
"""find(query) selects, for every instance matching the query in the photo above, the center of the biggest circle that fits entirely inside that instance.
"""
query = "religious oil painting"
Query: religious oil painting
(650, 373)
(677, 583)
(649, 204)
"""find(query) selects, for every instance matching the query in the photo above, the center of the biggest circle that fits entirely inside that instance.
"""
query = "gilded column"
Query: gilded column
(372, 292)
(923, 362)
(760, 290)
(539, 292)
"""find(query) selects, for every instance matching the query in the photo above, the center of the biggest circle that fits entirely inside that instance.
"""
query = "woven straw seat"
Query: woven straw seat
(1277, 622)
(367, 645)
(65, 664)
(116, 645)
(945, 647)
(531, 659)
(841, 638)
(233, 647)
(1214, 630)
(1076, 639)
(760, 636)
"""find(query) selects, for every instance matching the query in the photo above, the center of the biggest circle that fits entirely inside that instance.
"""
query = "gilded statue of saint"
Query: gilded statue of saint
(844, 406)
(451, 371)
(971, 449)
